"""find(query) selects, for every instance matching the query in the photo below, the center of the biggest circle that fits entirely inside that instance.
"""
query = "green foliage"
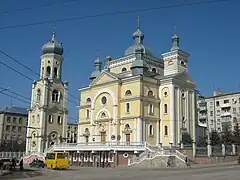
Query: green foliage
(236, 134)
(215, 138)
(202, 142)
(186, 138)
(227, 136)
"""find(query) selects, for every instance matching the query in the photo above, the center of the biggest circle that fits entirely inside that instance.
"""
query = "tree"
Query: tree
(202, 142)
(236, 134)
(186, 138)
(215, 138)
(227, 136)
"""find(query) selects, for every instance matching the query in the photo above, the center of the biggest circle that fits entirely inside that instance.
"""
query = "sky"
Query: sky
(209, 32)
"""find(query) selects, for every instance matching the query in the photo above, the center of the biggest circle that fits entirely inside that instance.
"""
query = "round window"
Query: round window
(165, 93)
(104, 100)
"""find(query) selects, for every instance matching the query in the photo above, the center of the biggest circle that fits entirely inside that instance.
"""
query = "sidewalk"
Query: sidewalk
(231, 163)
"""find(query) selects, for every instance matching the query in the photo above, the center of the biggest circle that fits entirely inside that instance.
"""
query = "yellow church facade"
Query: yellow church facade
(138, 98)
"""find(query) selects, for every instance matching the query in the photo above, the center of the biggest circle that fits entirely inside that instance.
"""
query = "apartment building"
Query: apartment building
(72, 132)
(13, 128)
(202, 116)
(223, 110)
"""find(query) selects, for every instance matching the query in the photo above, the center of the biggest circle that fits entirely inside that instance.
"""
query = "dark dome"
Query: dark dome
(52, 47)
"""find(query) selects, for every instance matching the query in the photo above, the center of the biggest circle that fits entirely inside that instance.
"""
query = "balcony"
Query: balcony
(226, 105)
(202, 116)
(224, 114)
(202, 108)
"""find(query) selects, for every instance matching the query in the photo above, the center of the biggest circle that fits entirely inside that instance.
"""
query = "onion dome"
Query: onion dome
(53, 47)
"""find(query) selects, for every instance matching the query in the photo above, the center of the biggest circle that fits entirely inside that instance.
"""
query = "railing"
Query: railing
(108, 144)
(11, 154)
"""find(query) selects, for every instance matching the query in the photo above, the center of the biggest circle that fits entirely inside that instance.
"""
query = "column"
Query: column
(135, 130)
(194, 115)
(187, 110)
(144, 129)
(172, 113)
(157, 134)
(114, 128)
(179, 115)
(139, 130)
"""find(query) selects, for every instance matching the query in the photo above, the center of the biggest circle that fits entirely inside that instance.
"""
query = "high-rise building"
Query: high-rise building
(13, 129)
(223, 111)
(48, 113)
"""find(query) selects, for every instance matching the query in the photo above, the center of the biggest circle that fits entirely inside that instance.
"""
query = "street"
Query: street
(215, 173)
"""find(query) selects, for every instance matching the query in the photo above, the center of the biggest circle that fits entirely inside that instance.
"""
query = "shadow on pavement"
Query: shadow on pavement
(17, 174)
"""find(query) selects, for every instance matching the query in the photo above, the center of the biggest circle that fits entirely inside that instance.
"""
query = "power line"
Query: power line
(14, 97)
(112, 14)
(27, 102)
(13, 69)
(23, 65)
(37, 7)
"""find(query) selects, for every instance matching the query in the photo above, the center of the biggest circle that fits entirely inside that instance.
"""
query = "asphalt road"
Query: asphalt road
(213, 173)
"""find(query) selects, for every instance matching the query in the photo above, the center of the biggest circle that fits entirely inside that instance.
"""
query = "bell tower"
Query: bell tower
(176, 60)
(48, 113)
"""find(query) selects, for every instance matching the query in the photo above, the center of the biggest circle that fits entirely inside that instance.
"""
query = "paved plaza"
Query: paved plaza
(200, 173)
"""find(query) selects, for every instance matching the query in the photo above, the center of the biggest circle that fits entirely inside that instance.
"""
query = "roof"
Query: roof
(14, 110)
(223, 94)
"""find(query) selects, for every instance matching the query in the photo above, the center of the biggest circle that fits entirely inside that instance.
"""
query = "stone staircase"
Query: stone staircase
(154, 157)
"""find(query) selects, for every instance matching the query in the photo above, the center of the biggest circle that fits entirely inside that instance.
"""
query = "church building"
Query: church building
(139, 98)
(48, 113)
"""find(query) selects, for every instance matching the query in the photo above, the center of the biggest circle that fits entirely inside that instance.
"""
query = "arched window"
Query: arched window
(88, 100)
(48, 71)
(127, 107)
(50, 119)
(103, 115)
(151, 130)
(38, 95)
(55, 72)
(55, 96)
(59, 121)
(165, 130)
(128, 93)
(154, 70)
(124, 69)
(127, 126)
(88, 113)
(165, 109)
(150, 93)
(151, 109)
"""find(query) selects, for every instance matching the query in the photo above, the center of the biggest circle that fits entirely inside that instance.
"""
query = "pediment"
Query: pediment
(185, 77)
(103, 78)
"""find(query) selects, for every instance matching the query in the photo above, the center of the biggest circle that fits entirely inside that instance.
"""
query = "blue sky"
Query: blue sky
(209, 32)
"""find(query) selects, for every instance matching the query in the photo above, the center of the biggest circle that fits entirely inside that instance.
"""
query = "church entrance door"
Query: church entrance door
(103, 137)
(128, 138)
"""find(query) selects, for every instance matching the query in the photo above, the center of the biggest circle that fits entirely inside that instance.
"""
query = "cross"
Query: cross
(138, 23)
(174, 30)
(53, 34)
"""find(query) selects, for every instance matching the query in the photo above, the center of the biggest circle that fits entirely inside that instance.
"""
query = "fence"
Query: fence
(17, 155)
(201, 151)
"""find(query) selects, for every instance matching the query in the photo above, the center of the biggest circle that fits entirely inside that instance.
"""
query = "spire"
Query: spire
(138, 23)
(138, 36)
(175, 40)
(54, 34)
(97, 64)
(97, 71)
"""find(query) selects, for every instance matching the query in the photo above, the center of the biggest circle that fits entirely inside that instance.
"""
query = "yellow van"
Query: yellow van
(57, 160)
